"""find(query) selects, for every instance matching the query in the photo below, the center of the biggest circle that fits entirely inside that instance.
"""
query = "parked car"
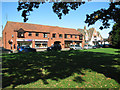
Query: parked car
(94, 47)
(87, 47)
(107, 46)
(54, 47)
(26, 49)
(97, 46)
(3, 50)
(75, 47)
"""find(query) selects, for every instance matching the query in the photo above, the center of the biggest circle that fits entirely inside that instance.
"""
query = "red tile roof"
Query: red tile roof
(40, 28)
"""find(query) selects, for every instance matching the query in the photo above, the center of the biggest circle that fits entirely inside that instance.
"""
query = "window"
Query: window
(45, 35)
(71, 36)
(80, 37)
(54, 35)
(75, 36)
(20, 34)
(41, 44)
(65, 35)
(29, 34)
(60, 35)
(94, 36)
(37, 34)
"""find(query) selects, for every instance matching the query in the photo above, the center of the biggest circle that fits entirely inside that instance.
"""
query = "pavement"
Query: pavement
(64, 49)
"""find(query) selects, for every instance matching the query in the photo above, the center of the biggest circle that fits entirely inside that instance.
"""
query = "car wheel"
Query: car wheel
(9, 52)
(23, 51)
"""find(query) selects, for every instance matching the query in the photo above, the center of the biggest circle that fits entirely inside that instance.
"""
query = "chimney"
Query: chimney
(85, 27)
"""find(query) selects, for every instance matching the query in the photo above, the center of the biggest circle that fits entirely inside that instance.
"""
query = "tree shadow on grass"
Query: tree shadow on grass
(117, 51)
(25, 68)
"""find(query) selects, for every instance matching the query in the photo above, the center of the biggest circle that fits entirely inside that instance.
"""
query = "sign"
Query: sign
(28, 39)
(24, 39)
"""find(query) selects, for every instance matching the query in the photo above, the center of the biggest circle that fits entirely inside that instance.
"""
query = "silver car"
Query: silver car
(75, 47)
(87, 47)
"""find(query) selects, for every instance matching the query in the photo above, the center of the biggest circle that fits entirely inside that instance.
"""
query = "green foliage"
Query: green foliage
(105, 15)
(59, 8)
(63, 8)
(116, 35)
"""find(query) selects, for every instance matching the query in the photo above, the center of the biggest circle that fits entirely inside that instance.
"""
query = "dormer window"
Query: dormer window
(20, 33)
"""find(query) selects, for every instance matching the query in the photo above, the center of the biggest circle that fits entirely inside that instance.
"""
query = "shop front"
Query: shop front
(78, 43)
(72, 42)
(41, 43)
(67, 44)
(24, 42)
(36, 43)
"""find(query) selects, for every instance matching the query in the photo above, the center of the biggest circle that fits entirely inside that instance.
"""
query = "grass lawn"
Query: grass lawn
(95, 68)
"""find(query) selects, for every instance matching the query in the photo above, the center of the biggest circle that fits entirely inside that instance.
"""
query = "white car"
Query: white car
(75, 47)
(87, 47)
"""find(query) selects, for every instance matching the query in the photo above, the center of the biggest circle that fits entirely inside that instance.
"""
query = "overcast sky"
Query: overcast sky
(45, 16)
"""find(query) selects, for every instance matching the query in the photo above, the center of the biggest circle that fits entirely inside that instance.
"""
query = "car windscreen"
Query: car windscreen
(89, 45)
(27, 47)
(21, 47)
(71, 45)
(77, 46)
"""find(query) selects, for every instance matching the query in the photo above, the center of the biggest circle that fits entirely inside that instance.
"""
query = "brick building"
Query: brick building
(39, 36)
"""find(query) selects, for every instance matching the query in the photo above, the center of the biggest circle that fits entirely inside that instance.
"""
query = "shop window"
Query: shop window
(44, 35)
(65, 35)
(29, 34)
(71, 36)
(44, 45)
(41, 44)
(20, 34)
(75, 36)
(37, 34)
(60, 35)
(54, 35)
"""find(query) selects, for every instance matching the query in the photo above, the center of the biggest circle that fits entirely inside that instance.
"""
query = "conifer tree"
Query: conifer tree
(116, 35)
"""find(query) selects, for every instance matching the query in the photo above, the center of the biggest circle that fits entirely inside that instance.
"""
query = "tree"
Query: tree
(60, 8)
(115, 36)
(105, 15)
